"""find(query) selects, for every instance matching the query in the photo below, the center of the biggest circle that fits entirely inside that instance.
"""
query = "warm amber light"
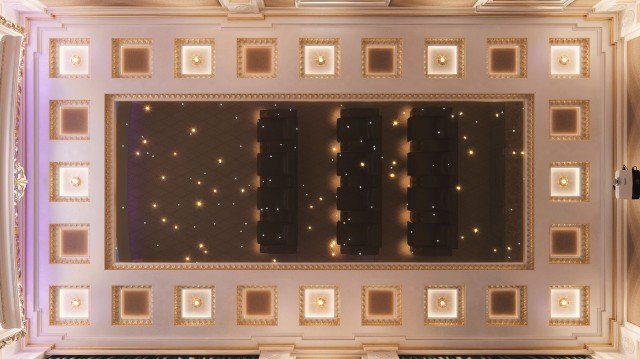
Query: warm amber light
(442, 302)
(76, 302)
(321, 60)
(563, 302)
(196, 60)
(196, 302)
(563, 181)
(198, 203)
(321, 302)
(392, 175)
(441, 60)
(147, 108)
(76, 181)
(76, 60)
(193, 130)
(458, 188)
(563, 60)
(471, 152)
(476, 230)
(395, 123)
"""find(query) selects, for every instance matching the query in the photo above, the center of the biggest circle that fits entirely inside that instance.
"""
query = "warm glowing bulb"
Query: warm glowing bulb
(196, 302)
(144, 142)
(441, 60)
(563, 181)
(442, 302)
(219, 160)
(334, 149)
(193, 130)
(215, 190)
(242, 190)
(200, 245)
(563, 60)
(147, 108)
(175, 227)
(321, 60)
(458, 188)
(476, 230)
(175, 153)
(76, 181)
(154, 205)
(362, 164)
(137, 153)
(196, 59)
(563, 302)
(471, 152)
(395, 123)
(187, 258)
(76, 302)
(76, 60)
(321, 302)
(199, 203)
(163, 177)
(164, 220)
(392, 175)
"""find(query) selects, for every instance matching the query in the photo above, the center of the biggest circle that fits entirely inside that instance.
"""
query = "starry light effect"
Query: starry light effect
(192, 184)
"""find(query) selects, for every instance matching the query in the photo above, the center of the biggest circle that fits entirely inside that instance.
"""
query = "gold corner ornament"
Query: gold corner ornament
(20, 182)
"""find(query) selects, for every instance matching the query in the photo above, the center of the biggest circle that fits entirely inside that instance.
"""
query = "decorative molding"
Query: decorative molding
(240, 303)
(585, 247)
(522, 65)
(397, 293)
(522, 306)
(397, 43)
(584, 307)
(20, 182)
(460, 304)
(54, 119)
(54, 307)
(585, 52)
(177, 56)
(304, 321)
(116, 299)
(54, 47)
(335, 42)
(116, 59)
(54, 244)
(459, 42)
(177, 307)
(585, 118)
(243, 43)
(584, 182)
(110, 240)
(54, 182)
(527, 6)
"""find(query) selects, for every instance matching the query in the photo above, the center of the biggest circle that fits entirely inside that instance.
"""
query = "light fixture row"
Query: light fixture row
(132, 305)
(319, 57)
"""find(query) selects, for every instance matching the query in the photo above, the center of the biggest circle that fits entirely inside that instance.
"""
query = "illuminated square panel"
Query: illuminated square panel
(257, 57)
(506, 305)
(69, 305)
(444, 58)
(569, 119)
(569, 305)
(69, 120)
(257, 305)
(132, 305)
(381, 58)
(319, 58)
(569, 58)
(69, 182)
(569, 181)
(69, 58)
(569, 243)
(507, 58)
(194, 305)
(319, 305)
(69, 243)
(444, 305)
(194, 58)
(132, 57)
(382, 305)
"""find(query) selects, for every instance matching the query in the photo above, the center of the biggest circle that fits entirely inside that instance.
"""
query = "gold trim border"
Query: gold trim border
(523, 315)
(335, 42)
(54, 244)
(459, 42)
(116, 294)
(242, 320)
(521, 43)
(304, 321)
(54, 44)
(445, 321)
(54, 181)
(585, 65)
(111, 264)
(584, 307)
(116, 45)
(585, 118)
(177, 56)
(242, 43)
(54, 312)
(584, 182)
(585, 238)
(377, 41)
(177, 307)
(364, 303)
(54, 119)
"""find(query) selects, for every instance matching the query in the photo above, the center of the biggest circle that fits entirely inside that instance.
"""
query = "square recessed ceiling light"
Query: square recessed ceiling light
(569, 305)
(194, 58)
(69, 58)
(444, 58)
(319, 305)
(194, 305)
(319, 58)
(569, 181)
(569, 58)
(69, 181)
(69, 305)
(444, 305)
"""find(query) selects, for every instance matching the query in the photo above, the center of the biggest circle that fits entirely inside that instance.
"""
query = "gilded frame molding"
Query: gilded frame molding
(54, 181)
(584, 307)
(585, 51)
(459, 42)
(528, 234)
(54, 244)
(584, 182)
(397, 43)
(460, 320)
(177, 56)
(335, 42)
(585, 238)
(54, 309)
(521, 43)
(522, 300)
(54, 119)
(243, 43)
(177, 307)
(54, 44)
(240, 318)
(116, 46)
(364, 303)
(304, 321)
(116, 298)
(585, 118)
